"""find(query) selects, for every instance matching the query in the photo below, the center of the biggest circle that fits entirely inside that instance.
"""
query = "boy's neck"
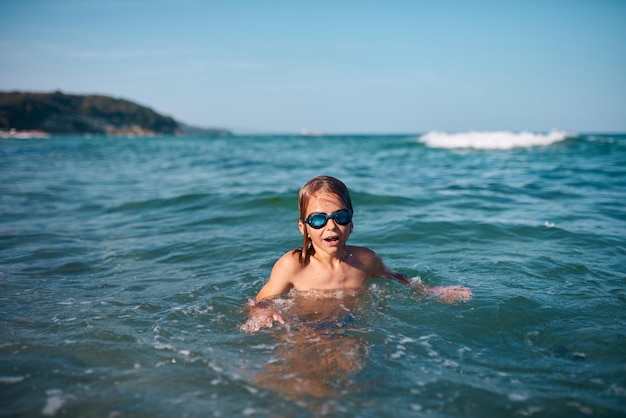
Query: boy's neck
(333, 259)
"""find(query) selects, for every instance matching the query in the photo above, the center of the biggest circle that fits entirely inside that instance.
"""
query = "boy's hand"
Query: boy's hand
(451, 294)
(261, 318)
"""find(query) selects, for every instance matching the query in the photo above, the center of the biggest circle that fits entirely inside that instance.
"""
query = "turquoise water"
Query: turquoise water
(125, 266)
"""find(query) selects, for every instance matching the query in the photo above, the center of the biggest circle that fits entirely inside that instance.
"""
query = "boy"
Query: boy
(325, 261)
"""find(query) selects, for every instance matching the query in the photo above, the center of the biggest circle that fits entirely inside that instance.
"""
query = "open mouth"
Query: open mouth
(331, 239)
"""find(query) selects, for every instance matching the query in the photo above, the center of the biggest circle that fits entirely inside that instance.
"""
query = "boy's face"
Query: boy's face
(332, 237)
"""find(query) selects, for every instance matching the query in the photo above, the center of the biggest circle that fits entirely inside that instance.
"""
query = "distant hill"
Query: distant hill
(59, 113)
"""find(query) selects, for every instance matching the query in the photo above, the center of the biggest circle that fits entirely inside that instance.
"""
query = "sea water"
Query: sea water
(126, 265)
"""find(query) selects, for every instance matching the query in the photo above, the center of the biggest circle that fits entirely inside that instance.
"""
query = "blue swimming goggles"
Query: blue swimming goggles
(318, 220)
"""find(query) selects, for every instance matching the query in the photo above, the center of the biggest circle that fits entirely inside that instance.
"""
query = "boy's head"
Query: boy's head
(313, 188)
(323, 184)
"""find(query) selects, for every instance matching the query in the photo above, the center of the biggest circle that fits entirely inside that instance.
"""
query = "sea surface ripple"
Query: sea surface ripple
(126, 264)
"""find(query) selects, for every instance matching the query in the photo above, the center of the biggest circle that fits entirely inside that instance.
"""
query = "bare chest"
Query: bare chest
(316, 276)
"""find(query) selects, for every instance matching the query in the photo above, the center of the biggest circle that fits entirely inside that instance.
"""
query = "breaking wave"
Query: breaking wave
(492, 140)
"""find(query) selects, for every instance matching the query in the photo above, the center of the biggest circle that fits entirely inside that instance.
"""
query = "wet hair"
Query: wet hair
(320, 184)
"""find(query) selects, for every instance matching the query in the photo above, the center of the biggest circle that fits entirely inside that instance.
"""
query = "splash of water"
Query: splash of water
(492, 140)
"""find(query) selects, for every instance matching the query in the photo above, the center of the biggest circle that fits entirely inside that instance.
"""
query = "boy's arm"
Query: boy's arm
(280, 277)
(448, 294)
(261, 313)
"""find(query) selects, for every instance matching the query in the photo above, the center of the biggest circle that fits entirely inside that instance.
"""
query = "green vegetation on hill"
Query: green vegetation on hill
(60, 113)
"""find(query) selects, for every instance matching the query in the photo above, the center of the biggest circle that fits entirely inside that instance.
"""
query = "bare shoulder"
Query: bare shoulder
(368, 259)
(362, 252)
(374, 265)
(288, 262)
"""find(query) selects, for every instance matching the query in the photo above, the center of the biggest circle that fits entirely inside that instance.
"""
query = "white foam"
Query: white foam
(11, 380)
(54, 402)
(517, 397)
(492, 140)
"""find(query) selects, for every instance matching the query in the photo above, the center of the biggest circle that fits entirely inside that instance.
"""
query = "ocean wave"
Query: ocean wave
(492, 140)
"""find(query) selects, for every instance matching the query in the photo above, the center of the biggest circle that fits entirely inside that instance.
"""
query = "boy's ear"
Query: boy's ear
(301, 227)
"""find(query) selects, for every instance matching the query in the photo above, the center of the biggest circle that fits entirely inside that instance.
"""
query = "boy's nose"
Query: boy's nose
(329, 226)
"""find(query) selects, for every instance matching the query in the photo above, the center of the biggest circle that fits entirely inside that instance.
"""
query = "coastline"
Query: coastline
(23, 134)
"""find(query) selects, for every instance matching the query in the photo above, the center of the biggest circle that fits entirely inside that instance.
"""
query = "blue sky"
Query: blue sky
(335, 66)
